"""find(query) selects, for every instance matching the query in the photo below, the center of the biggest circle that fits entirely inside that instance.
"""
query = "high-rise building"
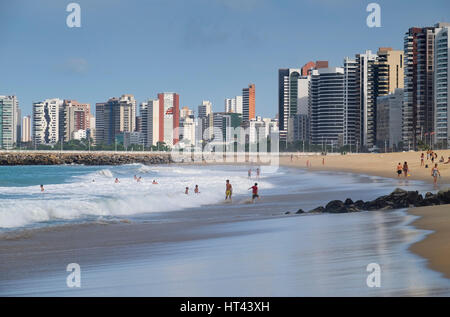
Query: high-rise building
(288, 81)
(105, 121)
(8, 122)
(389, 119)
(74, 116)
(205, 121)
(327, 106)
(26, 129)
(46, 121)
(234, 104)
(248, 103)
(150, 122)
(308, 67)
(127, 113)
(389, 70)
(442, 86)
(169, 118)
(352, 105)
(418, 105)
(367, 94)
(116, 116)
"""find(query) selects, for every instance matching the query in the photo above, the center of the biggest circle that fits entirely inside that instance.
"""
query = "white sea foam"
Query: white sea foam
(96, 195)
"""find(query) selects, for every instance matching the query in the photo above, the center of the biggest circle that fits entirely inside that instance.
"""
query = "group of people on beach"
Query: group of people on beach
(430, 155)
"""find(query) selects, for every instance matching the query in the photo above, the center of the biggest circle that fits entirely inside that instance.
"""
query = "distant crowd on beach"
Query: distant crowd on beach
(228, 186)
(403, 169)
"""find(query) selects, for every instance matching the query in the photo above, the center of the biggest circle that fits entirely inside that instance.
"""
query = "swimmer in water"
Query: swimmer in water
(42, 188)
(196, 190)
(155, 182)
(187, 191)
(228, 190)
(117, 181)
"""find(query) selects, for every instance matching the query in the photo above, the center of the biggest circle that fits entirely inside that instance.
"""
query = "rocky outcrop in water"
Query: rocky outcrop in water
(398, 199)
(89, 158)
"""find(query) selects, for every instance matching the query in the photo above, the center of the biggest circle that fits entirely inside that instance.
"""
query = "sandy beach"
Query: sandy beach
(381, 164)
(436, 246)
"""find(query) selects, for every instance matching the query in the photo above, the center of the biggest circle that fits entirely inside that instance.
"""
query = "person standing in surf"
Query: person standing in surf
(228, 190)
(254, 189)
(435, 173)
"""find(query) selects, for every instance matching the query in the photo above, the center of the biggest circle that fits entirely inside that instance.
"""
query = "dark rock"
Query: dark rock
(287, 213)
(336, 206)
(359, 204)
(444, 196)
(318, 209)
(348, 201)
(300, 211)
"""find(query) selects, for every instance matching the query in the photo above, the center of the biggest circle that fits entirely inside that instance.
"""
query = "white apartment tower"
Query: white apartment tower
(442, 85)
(46, 121)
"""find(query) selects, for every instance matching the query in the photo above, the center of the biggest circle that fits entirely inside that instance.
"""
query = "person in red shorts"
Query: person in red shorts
(254, 189)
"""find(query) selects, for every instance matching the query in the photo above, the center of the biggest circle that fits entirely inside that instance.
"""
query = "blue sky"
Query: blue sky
(202, 49)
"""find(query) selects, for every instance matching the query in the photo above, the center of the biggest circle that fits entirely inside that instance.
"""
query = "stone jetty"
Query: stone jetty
(398, 199)
(84, 158)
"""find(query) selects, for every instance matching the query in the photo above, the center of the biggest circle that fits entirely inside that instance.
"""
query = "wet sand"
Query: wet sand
(436, 246)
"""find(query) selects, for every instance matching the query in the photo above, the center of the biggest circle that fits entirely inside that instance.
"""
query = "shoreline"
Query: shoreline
(434, 247)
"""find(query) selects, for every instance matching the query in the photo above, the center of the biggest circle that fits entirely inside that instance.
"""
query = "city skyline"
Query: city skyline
(207, 69)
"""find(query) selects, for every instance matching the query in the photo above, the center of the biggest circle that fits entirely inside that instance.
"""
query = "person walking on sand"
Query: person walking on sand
(422, 160)
(254, 189)
(405, 169)
(435, 173)
(399, 169)
(228, 190)
(196, 190)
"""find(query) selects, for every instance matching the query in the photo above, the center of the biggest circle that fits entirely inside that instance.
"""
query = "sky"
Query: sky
(201, 49)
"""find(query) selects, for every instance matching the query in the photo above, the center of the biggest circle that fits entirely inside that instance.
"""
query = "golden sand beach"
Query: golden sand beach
(436, 246)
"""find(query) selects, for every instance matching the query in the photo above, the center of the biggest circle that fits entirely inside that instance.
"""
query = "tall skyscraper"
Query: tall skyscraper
(418, 104)
(442, 86)
(352, 105)
(169, 118)
(74, 116)
(288, 80)
(26, 129)
(150, 122)
(248, 103)
(367, 94)
(389, 71)
(205, 121)
(127, 113)
(46, 121)
(114, 117)
(9, 122)
(327, 106)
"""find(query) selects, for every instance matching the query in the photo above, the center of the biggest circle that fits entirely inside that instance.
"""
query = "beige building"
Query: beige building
(26, 129)
(74, 117)
(390, 70)
(127, 113)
